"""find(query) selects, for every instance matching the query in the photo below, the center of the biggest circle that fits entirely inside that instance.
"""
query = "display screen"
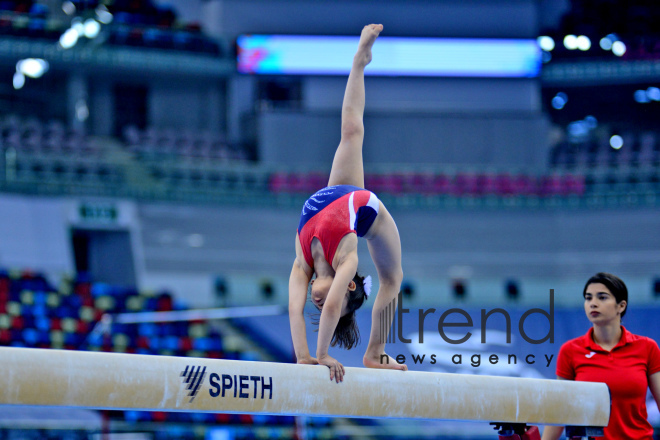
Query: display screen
(392, 56)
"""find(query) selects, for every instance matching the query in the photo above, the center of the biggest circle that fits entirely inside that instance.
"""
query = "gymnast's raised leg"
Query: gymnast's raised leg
(347, 166)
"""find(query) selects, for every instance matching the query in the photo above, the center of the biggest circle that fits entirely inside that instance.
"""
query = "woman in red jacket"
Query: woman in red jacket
(629, 364)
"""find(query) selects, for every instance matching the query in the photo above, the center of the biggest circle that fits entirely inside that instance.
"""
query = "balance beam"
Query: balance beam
(78, 379)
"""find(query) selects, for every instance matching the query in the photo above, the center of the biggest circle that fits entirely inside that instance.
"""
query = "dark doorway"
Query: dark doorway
(130, 107)
(106, 255)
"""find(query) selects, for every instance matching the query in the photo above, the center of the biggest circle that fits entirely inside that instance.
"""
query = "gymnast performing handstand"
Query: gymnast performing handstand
(326, 243)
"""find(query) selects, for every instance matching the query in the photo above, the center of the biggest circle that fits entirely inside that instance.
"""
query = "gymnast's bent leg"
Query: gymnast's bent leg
(385, 250)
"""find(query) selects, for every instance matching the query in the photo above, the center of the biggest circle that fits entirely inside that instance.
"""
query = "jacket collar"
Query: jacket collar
(590, 343)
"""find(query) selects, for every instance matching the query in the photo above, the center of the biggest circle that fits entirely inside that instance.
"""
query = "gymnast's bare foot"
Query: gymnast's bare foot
(367, 39)
(384, 362)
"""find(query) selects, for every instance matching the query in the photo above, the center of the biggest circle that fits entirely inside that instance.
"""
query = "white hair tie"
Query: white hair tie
(367, 286)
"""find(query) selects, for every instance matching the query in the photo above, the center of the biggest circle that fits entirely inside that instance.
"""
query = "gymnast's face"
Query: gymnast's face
(320, 289)
(600, 304)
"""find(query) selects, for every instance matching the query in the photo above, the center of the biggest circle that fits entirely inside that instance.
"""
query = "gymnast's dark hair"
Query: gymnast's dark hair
(347, 334)
(613, 283)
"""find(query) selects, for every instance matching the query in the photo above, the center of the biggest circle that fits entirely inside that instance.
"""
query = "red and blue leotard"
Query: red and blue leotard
(333, 212)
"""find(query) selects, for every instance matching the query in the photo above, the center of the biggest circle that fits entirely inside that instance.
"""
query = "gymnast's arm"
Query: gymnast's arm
(553, 432)
(298, 283)
(332, 312)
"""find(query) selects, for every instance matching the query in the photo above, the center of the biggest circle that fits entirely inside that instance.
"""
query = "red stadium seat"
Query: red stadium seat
(297, 183)
(504, 184)
(4, 286)
(83, 289)
(419, 183)
(317, 181)
(487, 184)
(443, 184)
(158, 416)
(222, 418)
(552, 185)
(524, 185)
(392, 184)
(186, 344)
(573, 185)
(467, 184)
(165, 303)
(279, 183)
(82, 327)
(246, 419)
(374, 182)
(17, 322)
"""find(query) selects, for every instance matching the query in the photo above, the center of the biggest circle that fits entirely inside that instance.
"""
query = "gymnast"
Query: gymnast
(326, 243)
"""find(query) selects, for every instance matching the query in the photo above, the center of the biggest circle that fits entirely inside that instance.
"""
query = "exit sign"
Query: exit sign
(98, 213)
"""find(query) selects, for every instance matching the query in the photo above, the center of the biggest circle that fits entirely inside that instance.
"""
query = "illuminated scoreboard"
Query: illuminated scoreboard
(392, 56)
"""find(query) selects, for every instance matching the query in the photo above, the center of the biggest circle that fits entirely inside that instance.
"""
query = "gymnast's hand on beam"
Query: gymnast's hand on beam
(308, 360)
(336, 369)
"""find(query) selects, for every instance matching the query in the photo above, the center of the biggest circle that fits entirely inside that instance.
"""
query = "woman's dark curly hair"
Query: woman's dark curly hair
(347, 334)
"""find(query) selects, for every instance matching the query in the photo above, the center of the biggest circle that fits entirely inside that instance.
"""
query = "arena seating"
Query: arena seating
(38, 153)
(135, 23)
(49, 158)
(641, 149)
(458, 184)
(156, 144)
(633, 169)
(36, 137)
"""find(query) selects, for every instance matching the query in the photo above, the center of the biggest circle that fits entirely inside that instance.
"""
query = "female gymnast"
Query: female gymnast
(629, 364)
(326, 243)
